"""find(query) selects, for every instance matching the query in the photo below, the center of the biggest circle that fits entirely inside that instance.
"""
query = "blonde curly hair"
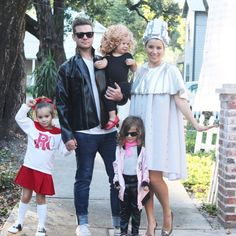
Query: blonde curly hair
(113, 37)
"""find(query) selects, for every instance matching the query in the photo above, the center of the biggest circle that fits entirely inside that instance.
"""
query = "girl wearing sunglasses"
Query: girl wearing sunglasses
(131, 173)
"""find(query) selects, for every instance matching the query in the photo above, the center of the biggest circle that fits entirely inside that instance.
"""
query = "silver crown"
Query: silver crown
(156, 28)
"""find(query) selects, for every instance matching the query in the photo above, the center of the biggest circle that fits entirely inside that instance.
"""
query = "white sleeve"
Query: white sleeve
(22, 120)
(116, 166)
(176, 82)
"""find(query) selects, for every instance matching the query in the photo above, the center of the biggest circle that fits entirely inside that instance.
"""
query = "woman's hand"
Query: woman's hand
(201, 128)
(114, 94)
(183, 105)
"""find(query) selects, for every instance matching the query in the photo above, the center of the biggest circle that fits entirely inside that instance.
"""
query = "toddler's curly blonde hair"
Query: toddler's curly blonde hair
(113, 37)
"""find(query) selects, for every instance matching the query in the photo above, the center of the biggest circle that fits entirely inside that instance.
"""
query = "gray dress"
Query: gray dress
(152, 99)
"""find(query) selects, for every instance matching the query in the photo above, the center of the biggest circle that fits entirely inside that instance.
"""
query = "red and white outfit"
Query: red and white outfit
(36, 172)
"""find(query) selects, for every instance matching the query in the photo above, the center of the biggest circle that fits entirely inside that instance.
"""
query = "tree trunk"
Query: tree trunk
(58, 20)
(12, 76)
(51, 30)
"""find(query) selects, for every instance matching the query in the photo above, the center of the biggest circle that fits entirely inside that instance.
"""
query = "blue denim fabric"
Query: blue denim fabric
(83, 219)
(88, 146)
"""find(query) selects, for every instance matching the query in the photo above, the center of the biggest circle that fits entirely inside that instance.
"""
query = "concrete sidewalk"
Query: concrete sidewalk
(61, 219)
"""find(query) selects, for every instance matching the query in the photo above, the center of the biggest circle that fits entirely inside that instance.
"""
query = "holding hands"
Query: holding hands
(71, 145)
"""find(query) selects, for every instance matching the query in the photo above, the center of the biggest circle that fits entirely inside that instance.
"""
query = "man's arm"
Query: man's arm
(62, 104)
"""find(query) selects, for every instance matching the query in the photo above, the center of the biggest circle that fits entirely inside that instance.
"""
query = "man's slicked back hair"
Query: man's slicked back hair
(81, 21)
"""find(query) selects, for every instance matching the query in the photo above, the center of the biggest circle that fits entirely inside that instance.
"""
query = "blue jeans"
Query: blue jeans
(88, 146)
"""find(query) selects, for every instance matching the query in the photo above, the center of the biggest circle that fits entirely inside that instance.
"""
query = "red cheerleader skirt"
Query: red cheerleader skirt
(35, 180)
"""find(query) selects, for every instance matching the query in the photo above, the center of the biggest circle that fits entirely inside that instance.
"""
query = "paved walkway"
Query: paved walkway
(61, 214)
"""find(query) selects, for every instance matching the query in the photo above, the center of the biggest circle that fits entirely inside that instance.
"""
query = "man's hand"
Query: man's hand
(114, 94)
(71, 144)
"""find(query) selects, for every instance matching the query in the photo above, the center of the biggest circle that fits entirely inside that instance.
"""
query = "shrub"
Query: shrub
(211, 209)
(45, 79)
(190, 140)
(7, 170)
(199, 174)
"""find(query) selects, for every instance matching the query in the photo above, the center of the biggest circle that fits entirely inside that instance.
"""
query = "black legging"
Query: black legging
(129, 207)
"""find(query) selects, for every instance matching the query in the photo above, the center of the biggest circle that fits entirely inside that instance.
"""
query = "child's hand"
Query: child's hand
(31, 102)
(130, 62)
(146, 188)
(71, 144)
(101, 64)
(117, 185)
(145, 185)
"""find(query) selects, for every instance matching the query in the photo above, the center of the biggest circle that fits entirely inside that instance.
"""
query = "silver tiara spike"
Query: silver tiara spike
(158, 29)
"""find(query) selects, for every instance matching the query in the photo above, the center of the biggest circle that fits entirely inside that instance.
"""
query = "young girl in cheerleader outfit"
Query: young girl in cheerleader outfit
(116, 46)
(131, 173)
(35, 174)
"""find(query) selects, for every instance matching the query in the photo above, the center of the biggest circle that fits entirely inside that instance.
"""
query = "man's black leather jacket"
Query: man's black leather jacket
(75, 100)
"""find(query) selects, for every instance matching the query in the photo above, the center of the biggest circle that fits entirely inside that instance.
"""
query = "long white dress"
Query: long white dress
(152, 99)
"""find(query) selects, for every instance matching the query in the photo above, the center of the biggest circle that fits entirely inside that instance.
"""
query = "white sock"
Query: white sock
(42, 214)
(23, 207)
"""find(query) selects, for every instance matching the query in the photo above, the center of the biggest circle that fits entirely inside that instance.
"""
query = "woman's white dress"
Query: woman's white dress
(152, 99)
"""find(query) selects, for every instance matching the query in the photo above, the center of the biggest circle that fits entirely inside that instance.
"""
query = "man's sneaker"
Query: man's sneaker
(116, 231)
(15, 228)
(40, 232)
(83, 230)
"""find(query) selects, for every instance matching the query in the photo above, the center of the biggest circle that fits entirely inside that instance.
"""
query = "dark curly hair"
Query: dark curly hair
(132, 121)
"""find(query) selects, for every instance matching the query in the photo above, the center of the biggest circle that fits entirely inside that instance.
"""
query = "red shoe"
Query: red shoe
(112, 123)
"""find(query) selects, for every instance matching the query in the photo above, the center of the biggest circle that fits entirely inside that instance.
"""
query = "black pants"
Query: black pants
(129, 207)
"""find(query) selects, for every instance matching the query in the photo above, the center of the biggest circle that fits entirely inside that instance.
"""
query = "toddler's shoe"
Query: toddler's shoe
(15, 228)
(40, 231)
(112, 123)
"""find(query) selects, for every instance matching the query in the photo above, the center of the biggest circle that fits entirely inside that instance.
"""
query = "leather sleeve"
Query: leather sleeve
(63, 102)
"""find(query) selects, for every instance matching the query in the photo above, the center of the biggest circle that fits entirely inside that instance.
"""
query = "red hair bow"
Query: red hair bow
(41, 99)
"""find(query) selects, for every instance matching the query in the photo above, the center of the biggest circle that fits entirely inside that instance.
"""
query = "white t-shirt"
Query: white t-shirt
(95, 130)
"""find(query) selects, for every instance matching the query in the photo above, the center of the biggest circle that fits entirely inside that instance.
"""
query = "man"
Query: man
(81, 115)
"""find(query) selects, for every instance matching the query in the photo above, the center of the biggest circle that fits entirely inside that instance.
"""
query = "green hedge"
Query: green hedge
(200, 167)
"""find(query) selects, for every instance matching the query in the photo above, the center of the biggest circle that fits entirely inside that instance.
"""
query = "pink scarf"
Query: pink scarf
(128, 145)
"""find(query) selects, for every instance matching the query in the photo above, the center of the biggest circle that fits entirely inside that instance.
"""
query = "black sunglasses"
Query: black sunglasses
(80, 35)
(132, 134)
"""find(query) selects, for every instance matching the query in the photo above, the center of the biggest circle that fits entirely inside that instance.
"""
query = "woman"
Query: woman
(158, 96)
